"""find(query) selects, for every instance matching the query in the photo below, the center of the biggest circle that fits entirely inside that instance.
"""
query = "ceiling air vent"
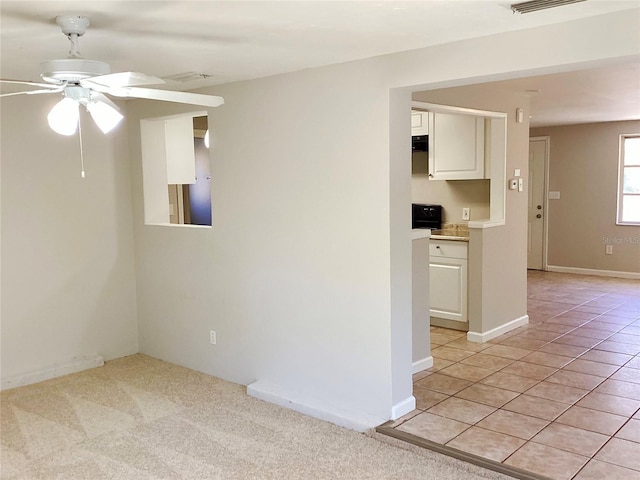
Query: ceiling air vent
(187, 77)
(535, 5)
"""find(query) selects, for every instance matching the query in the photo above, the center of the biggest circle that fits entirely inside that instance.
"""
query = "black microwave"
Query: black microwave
(420, 143)
(426, 216)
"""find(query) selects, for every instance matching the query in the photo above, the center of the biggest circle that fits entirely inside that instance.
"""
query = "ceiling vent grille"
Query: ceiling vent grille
(187, 77)
(535, 5)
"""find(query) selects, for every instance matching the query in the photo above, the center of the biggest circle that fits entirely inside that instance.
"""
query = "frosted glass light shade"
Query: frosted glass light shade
(105, 116)
(63, 117)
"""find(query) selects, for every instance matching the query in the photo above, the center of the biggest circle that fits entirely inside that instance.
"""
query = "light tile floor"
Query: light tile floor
(559, 397)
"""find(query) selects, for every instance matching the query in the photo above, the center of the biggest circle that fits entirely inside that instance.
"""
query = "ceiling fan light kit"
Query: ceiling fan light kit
(105, 116)
(63, 117)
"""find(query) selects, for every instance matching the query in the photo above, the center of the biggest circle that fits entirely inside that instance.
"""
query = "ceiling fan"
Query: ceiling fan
(88, 82)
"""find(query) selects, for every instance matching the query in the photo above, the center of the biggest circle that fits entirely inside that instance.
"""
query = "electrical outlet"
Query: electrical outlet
(212, 337)
(465, 213)
(608, 250)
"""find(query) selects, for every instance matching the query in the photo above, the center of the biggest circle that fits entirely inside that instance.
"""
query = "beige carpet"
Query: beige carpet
(140, 418)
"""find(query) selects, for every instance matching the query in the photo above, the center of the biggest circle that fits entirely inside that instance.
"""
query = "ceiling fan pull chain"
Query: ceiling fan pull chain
(81, 150)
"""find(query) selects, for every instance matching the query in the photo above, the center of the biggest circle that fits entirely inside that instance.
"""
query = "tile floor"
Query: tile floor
(559, 397)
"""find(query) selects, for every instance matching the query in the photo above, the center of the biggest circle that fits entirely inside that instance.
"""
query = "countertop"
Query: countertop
(452, 231)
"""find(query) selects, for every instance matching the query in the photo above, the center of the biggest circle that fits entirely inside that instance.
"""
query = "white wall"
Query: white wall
(294, 274)
(583, 159)
(306, 270)
(421, 338)
(67, 244)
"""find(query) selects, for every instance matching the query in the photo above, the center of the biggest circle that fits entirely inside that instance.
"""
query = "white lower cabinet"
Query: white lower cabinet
(448, 280)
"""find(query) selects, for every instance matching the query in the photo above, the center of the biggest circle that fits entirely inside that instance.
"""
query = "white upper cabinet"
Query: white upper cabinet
(456, 146)
(419, 123)
(169, 142)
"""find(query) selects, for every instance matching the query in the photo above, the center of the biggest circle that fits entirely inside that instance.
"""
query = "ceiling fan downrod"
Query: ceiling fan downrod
(73, 38)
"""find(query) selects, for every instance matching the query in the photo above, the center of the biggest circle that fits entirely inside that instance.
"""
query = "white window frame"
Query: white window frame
(621, 169)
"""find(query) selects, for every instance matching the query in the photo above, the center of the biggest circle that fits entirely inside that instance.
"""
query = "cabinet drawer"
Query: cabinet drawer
(444, 248)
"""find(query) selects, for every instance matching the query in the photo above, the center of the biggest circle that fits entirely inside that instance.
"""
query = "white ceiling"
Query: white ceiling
(606, 94)
(239, 40)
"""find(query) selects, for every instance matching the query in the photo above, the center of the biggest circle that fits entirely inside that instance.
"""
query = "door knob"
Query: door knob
(538, 216)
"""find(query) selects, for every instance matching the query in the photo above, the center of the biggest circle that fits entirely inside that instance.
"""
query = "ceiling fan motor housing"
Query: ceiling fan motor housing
(72, 70)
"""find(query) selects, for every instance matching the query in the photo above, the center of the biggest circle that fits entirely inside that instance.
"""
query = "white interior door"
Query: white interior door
(538, 148)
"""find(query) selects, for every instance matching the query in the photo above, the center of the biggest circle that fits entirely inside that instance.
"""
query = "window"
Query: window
(629, 180)
(176, 172)
(190, 203)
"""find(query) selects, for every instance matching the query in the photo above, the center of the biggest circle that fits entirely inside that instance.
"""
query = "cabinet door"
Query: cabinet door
(448, 288)
(419, 123)
(456, 146)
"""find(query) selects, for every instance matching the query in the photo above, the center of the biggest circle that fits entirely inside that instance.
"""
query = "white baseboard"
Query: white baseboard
(591, 271)
(496, 332)
(423, 364)
(74, 365)
(358, 421)
(406, 406)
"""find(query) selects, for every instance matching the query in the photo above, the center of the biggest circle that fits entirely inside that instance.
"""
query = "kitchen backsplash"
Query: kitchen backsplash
(453, 195)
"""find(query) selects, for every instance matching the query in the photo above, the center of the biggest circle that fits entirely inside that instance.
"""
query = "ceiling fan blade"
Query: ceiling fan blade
(101, 97)
(30, 92)
(33, 84)
(121, 79)
(33, 92)
(166, 96)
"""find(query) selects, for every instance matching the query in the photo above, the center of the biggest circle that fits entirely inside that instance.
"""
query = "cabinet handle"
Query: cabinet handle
(438, 246)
